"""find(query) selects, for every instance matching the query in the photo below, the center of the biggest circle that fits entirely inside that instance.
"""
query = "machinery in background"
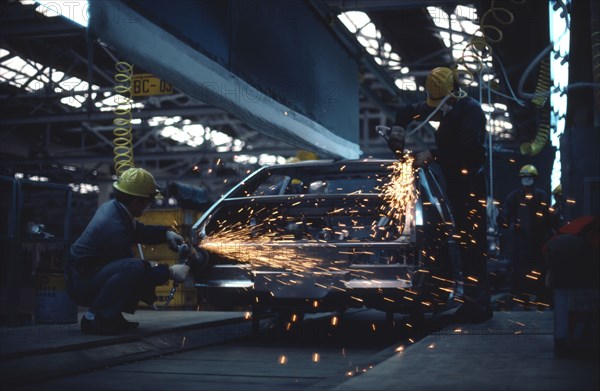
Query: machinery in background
(34, 237)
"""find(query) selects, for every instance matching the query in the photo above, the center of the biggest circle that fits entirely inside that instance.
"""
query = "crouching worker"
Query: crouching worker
(102, 273)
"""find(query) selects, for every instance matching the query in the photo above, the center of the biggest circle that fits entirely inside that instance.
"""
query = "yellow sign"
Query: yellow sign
(146, 84)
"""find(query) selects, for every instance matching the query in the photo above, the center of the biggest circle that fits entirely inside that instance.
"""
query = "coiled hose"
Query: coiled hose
(123, 146)
(534, 147)
(480, 46)
(480, 40)
(544, 83)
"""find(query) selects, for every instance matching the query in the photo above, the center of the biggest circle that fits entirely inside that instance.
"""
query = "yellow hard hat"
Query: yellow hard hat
(439, 83)
(528, 170)
(137, 182)
(557, 189)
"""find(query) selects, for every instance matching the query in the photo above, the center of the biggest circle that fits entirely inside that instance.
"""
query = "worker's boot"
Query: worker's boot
(125, 324)
(101, 326)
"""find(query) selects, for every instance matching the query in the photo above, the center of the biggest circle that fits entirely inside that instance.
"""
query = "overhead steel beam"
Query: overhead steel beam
(109, 115)
(204, 79)
(197, 153)
(40, 30)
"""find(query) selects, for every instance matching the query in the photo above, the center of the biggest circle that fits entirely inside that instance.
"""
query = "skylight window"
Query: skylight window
(33, 76)
(84, 188)
(370, 38)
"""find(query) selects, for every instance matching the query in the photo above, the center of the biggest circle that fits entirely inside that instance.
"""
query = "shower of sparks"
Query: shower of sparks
(400, 192)
(316, 357)
(241, 244)
(262, 238)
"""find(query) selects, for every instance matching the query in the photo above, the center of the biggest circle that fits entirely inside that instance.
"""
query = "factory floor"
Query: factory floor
(512, 351)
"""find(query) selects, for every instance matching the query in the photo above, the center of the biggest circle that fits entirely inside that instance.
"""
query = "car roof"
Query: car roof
(330, 162)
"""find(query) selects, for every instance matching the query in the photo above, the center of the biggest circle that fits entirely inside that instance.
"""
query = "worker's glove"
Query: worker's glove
(423, 158)
(396, 140)
(179, 272)
(174, 240)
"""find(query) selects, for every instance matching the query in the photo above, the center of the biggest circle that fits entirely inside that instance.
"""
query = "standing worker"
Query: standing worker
(557, 210)
(101, 271)
(461, 155)
(526, 214)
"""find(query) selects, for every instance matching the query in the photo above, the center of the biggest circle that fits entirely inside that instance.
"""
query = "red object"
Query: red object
(576, 226)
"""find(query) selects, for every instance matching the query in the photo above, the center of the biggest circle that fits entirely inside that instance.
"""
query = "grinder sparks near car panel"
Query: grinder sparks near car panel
(400, 192)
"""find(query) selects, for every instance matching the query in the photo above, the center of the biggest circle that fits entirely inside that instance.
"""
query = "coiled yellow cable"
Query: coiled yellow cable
(541, 138)
(543, 84)
(542, 91)
(479, 45)
(123, 147)
(480, 40)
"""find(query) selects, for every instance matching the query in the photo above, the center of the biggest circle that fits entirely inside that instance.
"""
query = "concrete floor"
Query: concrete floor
(512, 351)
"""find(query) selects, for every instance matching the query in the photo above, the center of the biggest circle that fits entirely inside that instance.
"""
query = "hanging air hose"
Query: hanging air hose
(123, 147)
(541, 137)
(480, 46)
(544, 83)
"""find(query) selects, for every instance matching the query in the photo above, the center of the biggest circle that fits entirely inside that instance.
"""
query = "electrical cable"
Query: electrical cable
(512, 96)
(480, 44)
(426, 120)
(123, 147)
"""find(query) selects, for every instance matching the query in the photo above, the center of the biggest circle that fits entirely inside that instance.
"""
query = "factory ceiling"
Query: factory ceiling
(50, 65)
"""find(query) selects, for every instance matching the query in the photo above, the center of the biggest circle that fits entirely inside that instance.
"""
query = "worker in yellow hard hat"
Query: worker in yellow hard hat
(557, 210)
(102, 272)
(525, 214)
(460, 154)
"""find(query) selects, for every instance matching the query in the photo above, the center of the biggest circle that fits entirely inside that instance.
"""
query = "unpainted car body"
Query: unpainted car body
(319, 236)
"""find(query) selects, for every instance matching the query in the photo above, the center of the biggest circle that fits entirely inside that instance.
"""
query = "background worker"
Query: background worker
(461, 155)
(101, 271)
(557, 210)
(526, 214)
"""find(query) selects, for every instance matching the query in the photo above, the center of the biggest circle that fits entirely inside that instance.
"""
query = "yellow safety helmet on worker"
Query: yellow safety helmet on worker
(557, 190)
(138, 182)
(440, 83)
(528, 173)
(528, 170)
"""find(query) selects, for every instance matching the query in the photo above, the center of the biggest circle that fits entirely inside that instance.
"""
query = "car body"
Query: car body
(319, 236)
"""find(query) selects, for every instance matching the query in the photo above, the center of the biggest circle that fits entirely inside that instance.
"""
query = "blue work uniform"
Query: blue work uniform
(102, 272)
(461, 156)
(525, 212)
